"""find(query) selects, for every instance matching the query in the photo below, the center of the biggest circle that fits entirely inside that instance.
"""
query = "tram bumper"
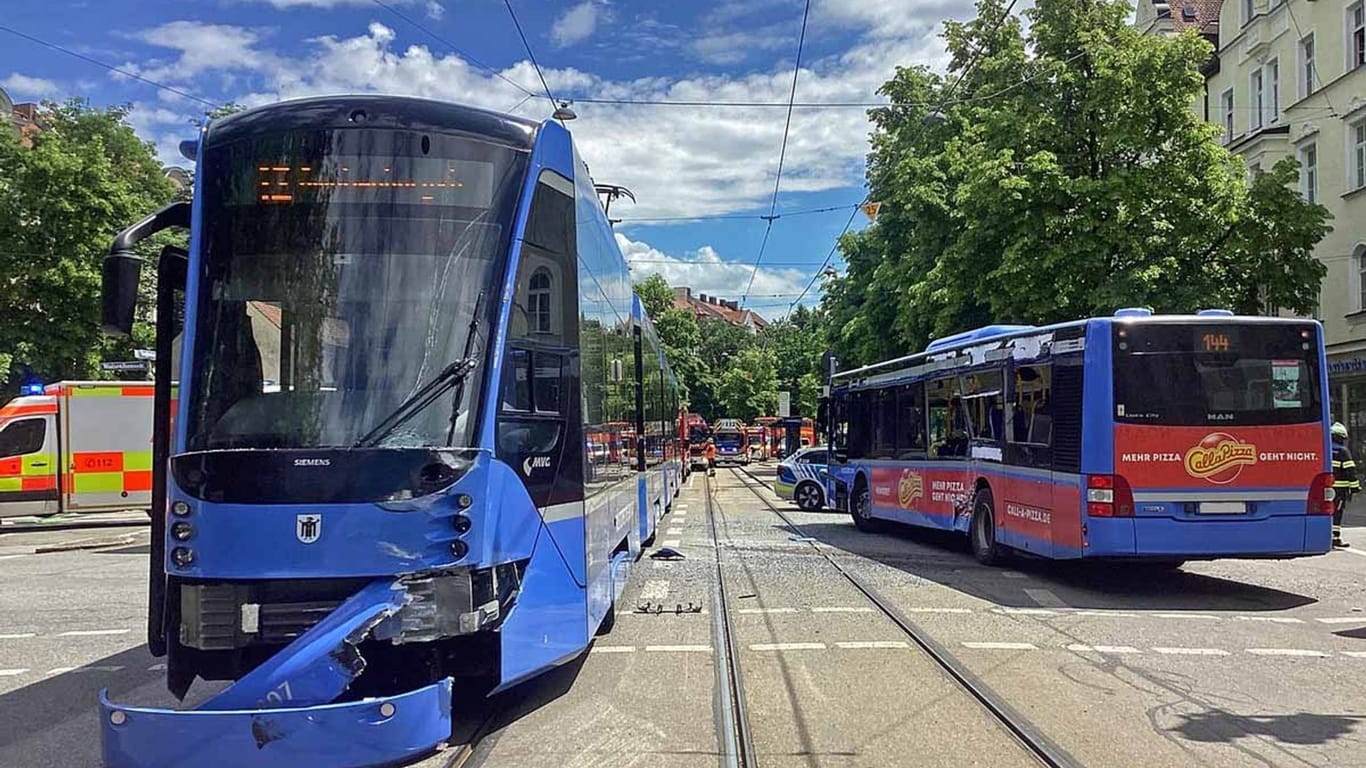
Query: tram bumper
(283, 712)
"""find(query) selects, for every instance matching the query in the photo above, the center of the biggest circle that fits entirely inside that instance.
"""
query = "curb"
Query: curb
(79, 544)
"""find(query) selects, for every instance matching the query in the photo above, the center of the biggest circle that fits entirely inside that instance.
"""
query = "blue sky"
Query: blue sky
(679, 161)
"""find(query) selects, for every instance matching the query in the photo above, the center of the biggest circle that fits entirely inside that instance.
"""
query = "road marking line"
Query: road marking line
(875, 644)
(11, 672)
(1025, 611)
(1192, 651)
(612, 649)
(93, 632)
(767, 610)
(1272, 619)
(945, 610)
(655, 589)
(18, 636)
(1330, 620)
(59, 670)
(1002, 646)
(114, 668)
(1103, 648)
(679, 648)
(1109, 614)
(1202, 616)
(1355, 654)
(1013, 575)
(842, 609)
(671, 543)
(674, 531)
(1352, 551)
(787, 647)
(11, 557)
(1285, 652)
(1045, 598)
(157, 668)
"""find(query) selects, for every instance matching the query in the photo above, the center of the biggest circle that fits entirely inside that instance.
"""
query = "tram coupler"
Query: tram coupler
(284, 713)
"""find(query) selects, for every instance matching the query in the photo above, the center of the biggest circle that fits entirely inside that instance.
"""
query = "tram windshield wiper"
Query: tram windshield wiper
(451, 377)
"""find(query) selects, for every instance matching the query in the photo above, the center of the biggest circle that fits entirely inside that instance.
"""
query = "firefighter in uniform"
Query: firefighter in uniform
(711, 458)
(1345, 481)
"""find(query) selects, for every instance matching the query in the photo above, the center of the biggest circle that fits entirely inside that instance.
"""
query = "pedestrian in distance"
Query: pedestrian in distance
(1345, 480)
(711, 458)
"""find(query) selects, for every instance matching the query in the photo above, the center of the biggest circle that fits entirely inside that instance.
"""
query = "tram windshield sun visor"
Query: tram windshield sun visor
(1210, 375)
(340, 274)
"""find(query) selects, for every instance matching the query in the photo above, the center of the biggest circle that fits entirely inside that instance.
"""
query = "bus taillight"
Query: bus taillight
(1321, 495)
(1109, 496)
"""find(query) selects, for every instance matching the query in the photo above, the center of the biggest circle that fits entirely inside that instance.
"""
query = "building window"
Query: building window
(1249, 10)
(1356, 36)
(1309, 172)
(1258, 98)
(1356, 136)
(1226, 107)
(538, 301)
(1359, 264)
(1307, 72)
(1273, 84)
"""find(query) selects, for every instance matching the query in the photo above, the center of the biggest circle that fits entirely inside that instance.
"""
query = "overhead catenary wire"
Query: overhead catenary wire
(737, 216)
(529, 54)
(782, 154)
(821, 269)
(457, 49)
(110, 67)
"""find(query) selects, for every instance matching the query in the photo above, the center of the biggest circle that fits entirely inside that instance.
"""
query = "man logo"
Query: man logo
(307, 528)
(533, 463)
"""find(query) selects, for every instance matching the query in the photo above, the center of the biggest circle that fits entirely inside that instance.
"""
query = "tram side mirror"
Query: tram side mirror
(119, 277)
(174, 263)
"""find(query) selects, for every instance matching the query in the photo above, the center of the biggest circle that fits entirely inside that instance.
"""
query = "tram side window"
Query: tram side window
(910, 408)
(1031, 413)
(948, 429)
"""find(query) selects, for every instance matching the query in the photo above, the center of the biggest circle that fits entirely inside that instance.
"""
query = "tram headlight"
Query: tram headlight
(459, 549)
(180, 509)
(182, 531)
(464, 501)
(182, 556)
(462, 524)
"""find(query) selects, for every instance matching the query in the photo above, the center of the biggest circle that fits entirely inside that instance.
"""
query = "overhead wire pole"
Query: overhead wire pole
(531, 55)
(110, 67)
(782, 155)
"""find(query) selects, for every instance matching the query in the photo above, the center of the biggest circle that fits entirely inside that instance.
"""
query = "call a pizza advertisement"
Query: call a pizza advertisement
(1219, 457)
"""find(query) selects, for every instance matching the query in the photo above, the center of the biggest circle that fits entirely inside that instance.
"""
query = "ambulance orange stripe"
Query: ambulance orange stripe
(137, 481)
(111, 461)
(138, 391)
(41, 409)
(11, 467)
(47, 483)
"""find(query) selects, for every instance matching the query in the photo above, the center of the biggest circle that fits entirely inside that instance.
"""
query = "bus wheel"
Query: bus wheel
(984, 545)
(808, 496)
(863, 509)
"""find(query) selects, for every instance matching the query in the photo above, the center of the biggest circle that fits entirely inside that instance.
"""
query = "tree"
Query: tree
(749, 386)
(62, 200)
(797, 342)
(1067, 176)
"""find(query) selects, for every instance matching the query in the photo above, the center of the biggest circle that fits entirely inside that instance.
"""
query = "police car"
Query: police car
(801, 477)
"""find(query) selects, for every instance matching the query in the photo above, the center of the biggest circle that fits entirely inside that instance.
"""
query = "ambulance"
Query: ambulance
(81, 446)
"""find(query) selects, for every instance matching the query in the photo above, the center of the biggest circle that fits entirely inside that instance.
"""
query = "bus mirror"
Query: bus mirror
(120, 276)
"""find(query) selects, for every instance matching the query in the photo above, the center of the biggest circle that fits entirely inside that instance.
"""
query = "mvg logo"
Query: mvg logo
(533, 463)
(307, 528)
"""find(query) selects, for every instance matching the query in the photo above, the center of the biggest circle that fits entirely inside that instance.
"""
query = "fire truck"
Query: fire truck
(756, 441)
(697, 436)
(80, 446)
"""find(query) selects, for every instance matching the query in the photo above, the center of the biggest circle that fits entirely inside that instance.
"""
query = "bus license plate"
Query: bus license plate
(1223, 507)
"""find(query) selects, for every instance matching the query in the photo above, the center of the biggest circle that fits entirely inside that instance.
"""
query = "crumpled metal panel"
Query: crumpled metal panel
(281, 714)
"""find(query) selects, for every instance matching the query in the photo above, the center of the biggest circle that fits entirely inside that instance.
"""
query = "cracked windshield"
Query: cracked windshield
(739, 383)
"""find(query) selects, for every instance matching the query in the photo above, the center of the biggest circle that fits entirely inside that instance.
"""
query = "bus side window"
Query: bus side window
(947, 423)
(884, 423)
(910, 430)
(860, 437)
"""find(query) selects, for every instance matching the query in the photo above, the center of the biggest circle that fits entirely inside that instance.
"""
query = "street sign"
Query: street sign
(784, 403)
(124, 365)
(870, 209)
(144, 354)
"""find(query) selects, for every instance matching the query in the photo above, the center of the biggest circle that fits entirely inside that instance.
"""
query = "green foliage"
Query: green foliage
(1090, 187)
(749, 386)
(62, 200)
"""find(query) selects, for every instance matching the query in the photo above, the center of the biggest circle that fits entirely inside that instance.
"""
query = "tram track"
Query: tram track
(737, 744)
(1038, 745)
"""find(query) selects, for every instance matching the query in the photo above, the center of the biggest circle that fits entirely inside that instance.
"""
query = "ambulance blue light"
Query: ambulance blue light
(34, 388)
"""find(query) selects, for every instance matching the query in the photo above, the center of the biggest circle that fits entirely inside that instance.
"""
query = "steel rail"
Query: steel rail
(737, 745)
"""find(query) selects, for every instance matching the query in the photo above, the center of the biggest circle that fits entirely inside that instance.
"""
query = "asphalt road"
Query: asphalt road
(1227, 663)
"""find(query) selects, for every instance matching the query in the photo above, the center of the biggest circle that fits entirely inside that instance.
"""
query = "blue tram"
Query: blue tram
(406, 342)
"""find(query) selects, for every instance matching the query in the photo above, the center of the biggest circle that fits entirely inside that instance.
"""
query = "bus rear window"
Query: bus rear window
(1207, 374)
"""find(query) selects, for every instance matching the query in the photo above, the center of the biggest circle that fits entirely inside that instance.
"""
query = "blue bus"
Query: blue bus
(428, 491)
(1138, 436)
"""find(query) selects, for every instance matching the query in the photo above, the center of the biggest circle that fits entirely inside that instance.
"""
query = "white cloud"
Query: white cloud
(576, 24)
(706, 272)
(24, 86)
(435, 10)
(288, 4)
(202, 48)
